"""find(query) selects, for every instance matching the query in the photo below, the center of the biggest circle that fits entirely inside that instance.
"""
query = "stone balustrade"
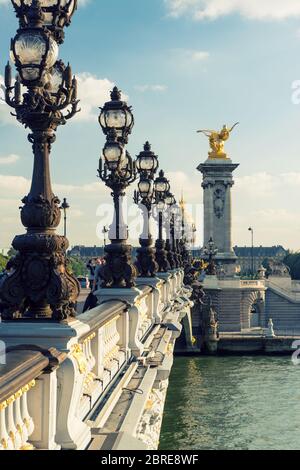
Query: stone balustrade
(21, 381)
(67, 402)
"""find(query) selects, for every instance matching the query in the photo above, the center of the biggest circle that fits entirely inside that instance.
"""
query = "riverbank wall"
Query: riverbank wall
(257, 345)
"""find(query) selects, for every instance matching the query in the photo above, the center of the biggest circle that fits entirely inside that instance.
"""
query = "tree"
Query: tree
(292, 260)
(3, 262)
(77, 266)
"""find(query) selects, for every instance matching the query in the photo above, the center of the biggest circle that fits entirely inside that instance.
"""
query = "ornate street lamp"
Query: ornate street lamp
(117, 115)
(170, 203)
(194, 231)
(211, 252)
(161, 187)
(147, 165)
(117, 171)
(40, 286)
(64, 207)
(176, 228)
(57, 14)
(147, 162)
(250, 229)
(185, 255)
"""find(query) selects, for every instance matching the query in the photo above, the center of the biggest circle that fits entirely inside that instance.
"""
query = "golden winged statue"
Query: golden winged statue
(217, 140)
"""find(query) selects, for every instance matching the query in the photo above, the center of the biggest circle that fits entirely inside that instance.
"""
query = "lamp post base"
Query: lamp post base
(39, 285)
(161, 257)
(118, 271)
(146, 263)
(170, 255)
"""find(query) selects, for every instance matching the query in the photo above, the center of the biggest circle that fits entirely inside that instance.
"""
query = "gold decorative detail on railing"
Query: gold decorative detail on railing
(18, 431)
(27, 447)
(113, 354)
(4, 444)
(113, 320)
(27, 423)
(80, 358)
(10, 400)
(3, 405)
(90, 338)
(18, 394)
(12, 437)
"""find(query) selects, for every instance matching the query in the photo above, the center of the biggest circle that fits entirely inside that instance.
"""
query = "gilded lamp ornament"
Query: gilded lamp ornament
(217, 141)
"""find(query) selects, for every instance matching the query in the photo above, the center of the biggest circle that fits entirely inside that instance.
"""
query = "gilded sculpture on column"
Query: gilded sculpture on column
(217, 141)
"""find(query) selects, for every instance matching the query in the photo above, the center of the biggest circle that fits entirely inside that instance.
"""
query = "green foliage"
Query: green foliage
(3, 262)
(77, 266)
(292, 260)
(11, 253)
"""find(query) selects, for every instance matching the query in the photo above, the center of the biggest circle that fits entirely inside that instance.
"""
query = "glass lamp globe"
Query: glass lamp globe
(147, 161)
(170, 200)
(55, 77)
(161, 206)
(162, 185)
(31, 51)
(114, 155)
(211, 244)
(145, 188)
(116, 114)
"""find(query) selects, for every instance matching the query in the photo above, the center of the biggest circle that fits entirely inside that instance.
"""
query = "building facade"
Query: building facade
(260, 255)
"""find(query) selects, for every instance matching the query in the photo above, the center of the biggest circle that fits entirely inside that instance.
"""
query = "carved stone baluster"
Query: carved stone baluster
(5, 441)
(27, 419)
(11, 425)
(21, 428)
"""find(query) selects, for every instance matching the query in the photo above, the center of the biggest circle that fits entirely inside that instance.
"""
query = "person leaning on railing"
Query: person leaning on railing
(97, 276)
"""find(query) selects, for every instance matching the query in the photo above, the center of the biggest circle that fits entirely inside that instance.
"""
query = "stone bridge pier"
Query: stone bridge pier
(240, 305)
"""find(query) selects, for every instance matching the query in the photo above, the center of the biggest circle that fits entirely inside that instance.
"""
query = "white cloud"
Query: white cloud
(197, 56)
(155, 88)
(9, 159)
(187, 58)
(253, 9)
(93, 92)
(267, 202)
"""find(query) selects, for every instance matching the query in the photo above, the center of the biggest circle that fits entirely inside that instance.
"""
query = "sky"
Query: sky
(184, 65)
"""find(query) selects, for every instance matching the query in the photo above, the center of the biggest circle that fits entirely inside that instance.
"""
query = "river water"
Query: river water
(232, 403)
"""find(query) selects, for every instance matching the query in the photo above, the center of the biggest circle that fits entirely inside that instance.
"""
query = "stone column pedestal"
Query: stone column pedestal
(217, 183)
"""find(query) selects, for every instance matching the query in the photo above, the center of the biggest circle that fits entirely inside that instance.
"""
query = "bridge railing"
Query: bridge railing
(289, 294)
(22, 379)
(97, 348)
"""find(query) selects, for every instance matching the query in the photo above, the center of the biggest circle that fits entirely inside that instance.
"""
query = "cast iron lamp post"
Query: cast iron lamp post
(162, 188)
(185, 256)
(56, 14)
(147, 165)
(170, 202)
(176, 234)
(194, 231)
(40, 286)
(252, 250)
(117, 172)
(64, 207)
(211, 252)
